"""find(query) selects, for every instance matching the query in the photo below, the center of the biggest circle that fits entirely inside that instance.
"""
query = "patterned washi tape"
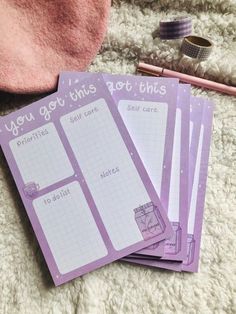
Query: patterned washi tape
(178, 28)
(196, 47)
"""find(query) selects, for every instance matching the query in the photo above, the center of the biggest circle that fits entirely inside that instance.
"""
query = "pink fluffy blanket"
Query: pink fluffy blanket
(40, 38)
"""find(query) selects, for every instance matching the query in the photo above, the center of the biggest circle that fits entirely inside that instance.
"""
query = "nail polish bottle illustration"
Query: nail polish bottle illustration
(149, 220)
(173, 245)
(190, 249)
(31, 189)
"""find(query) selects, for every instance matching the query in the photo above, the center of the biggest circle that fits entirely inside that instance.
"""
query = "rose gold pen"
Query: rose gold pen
(197, 81)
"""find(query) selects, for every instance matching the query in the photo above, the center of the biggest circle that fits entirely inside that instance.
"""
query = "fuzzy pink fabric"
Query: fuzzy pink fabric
(40, 38)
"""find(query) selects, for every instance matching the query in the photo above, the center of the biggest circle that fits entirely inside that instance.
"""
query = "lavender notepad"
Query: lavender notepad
(148, 108)
(176, 248)
(83, 184)
(194, 121)
(195, 218)
(200, 134)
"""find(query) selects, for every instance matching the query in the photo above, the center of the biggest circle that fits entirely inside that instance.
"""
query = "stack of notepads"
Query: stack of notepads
(112, 167)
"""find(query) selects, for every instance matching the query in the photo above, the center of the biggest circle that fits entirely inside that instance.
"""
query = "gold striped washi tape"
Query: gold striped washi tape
(196, 47)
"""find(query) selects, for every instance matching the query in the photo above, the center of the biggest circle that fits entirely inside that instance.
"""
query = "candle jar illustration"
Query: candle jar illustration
(149, 220)
(173, 245)
(152, 247)
(31, 189)
(190, 249)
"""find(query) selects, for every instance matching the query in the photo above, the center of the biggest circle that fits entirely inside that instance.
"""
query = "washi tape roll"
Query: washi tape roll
(196, 47)
(178, 28)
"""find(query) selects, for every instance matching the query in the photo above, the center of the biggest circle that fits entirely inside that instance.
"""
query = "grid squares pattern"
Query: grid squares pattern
(42, 160)
(99, 148)
(70, 229)
(147, 131)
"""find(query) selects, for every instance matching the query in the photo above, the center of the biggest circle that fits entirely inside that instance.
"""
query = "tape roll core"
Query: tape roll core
(199, 41)
(196, 47)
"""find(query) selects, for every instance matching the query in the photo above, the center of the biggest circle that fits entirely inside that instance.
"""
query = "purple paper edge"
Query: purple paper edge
(174, 266)
(183, 104)
(207, 121)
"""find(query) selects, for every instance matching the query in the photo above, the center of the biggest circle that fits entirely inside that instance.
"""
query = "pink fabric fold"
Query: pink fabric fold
(40, 38)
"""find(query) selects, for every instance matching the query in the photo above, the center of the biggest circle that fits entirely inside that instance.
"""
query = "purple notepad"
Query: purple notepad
(200, 134)
(83, 184)
(176, 248)
(197, 201)
(154, 146)
(194, 121)
(148, 108)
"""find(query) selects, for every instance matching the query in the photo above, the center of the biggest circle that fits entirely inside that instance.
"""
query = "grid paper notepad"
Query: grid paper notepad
(176, 247)
(194, 116)
(149, 120)
(148, 110)
(200, 134)
(87, 205)
(91, 161)
(179, 185)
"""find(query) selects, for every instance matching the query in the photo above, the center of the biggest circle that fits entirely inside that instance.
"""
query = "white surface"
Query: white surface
(99, 147)
(173, 210)
(70, 228)
(194, 195)
(42, 160)
(147, 130)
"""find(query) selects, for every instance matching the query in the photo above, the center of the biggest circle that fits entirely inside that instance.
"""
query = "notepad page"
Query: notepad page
(41, 157)
(70, 228)
(108, 170)
(193, 203)
(174, 203)
(190, 133)
(146, 122)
